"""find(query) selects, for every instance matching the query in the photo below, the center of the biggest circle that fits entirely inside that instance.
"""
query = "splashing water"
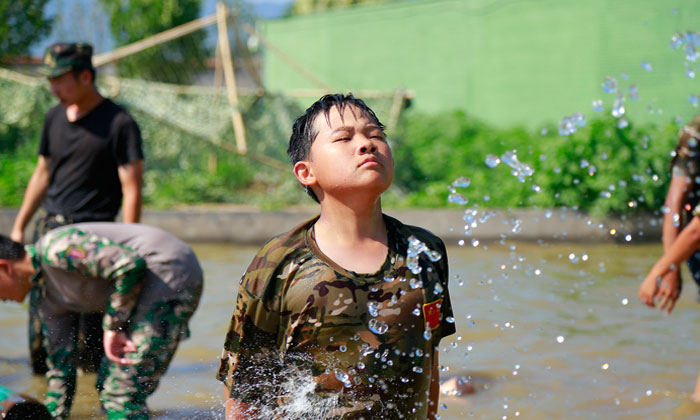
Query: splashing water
(461, 182)
(518, 169)
(492, 161)
(378, 327)
(609, 85)
(415, 248)
(646, 66)
(618, 109)
(570, 124)
(597, 105)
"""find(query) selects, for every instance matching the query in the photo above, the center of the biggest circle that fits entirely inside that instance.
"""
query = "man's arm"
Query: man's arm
(33, 197)
(131, 178)
(434, 396)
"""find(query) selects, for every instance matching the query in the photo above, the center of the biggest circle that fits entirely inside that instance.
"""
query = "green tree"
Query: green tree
(176, 61)
(22, 23)
(302, 7)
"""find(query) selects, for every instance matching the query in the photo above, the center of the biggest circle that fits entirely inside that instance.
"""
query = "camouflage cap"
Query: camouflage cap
(61, 58)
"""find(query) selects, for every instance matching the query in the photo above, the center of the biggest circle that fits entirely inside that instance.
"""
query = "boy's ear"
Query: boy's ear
(304, 173)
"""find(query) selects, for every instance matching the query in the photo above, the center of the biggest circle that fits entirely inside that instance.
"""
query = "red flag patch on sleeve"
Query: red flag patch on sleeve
(76, 253)
(431, 313)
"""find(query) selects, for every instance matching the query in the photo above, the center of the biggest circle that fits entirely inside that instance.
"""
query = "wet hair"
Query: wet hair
(302, 130)
(10, 250)
(688, 146)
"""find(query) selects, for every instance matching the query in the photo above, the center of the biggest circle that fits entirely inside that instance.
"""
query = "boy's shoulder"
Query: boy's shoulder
(275, 253)
(403, 231)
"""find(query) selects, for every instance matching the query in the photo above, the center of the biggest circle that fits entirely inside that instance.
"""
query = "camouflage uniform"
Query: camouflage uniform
(145, 281)
(367, 340)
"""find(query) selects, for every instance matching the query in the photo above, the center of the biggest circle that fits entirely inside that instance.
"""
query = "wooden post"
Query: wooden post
(230, 78)
(396, 107)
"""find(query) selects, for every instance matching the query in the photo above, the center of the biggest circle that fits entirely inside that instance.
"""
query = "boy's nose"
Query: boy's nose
(368, 147)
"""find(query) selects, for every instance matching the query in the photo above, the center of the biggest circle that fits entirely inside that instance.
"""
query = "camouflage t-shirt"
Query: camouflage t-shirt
(349, 345)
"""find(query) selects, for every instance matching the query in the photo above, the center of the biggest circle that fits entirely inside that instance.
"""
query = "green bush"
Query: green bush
(577, 171)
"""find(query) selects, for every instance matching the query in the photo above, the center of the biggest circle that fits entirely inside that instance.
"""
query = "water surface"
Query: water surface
(543, 333)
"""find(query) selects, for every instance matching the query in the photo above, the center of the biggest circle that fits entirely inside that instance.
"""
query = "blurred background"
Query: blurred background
(587, 93)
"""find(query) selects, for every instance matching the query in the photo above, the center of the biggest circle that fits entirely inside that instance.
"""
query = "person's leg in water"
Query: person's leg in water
(157, 334)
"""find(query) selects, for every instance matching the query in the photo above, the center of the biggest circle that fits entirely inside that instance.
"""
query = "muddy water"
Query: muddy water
(544, 336)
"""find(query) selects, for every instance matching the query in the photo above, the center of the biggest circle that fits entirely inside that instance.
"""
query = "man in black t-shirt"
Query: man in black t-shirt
(90, 160)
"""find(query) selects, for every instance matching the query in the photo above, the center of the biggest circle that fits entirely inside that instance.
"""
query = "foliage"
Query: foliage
(600, 169)
(22, 23)
(176, 61)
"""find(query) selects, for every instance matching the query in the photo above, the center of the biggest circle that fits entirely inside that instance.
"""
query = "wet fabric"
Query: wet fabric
(366, 340)
(145, 281)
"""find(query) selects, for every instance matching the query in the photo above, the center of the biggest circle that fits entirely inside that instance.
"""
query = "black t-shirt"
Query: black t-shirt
(84, 157)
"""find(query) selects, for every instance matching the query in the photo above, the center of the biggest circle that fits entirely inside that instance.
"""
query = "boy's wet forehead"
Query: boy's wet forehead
(339, 116)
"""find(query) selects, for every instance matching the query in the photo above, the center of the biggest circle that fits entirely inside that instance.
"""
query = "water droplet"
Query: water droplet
(605, 366)
(457, 199)
(597, 105)
(633, 93)
(676, 41)
(560, 339)
(625, 301)
(618, 109)
(378, 327)
(416, 312)
(417, 369)
(573, 258)
(450, 319)
(605, 194)
(427, 334)
(548, 214)
(373, 308)
(649, 392)
(342, 377)
(415, 283)
(438, 289)
(536, 188)
(461, 182)
(646, 66)
(628, 237)
(492, 161)
(609, 85)
(475, 243)
(388, 279)
(343, 349)
(694, 100)
(690, 73)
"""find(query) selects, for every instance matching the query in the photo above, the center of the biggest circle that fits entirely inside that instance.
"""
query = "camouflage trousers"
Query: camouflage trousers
(89, 324)
(123, 389)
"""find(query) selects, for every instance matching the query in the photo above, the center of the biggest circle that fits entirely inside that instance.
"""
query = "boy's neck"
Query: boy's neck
(351, 224)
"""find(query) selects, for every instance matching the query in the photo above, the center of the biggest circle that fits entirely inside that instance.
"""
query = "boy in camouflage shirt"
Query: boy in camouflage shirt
(145, 281)
(352, 301)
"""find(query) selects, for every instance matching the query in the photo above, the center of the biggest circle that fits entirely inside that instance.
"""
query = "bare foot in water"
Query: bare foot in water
(457, 386)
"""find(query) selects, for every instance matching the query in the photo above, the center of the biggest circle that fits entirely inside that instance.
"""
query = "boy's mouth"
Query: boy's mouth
(369, 162)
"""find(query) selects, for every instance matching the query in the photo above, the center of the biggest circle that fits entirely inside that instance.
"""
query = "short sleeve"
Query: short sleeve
(44, 147)
(129, 142)
(250, 360)
(447, 319)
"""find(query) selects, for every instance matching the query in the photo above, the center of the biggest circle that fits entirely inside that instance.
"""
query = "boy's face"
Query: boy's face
(11, 286)
(348, 156)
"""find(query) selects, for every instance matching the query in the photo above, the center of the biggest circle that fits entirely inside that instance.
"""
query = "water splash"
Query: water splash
(518, 169)
(609, 85)
(646, 66)
(415, 248)
(570, 124)
(618, 109)
(492, 161)
(597, 105)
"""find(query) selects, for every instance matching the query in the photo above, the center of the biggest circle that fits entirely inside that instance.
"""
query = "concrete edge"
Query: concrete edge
(252, 227)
